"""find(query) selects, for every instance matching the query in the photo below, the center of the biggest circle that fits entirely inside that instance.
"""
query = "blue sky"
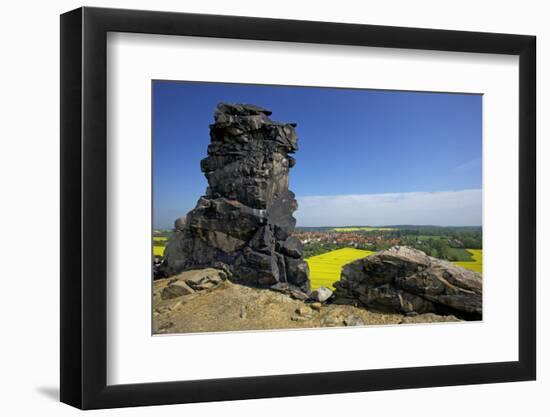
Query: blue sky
(366, 157)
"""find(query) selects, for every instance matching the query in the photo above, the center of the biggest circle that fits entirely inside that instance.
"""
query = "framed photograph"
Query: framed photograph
(260, 208)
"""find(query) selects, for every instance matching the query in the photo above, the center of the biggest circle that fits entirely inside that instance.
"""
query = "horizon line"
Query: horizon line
(363, 225)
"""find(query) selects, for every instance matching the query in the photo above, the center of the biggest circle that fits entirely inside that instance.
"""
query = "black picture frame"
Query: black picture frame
(84, 207)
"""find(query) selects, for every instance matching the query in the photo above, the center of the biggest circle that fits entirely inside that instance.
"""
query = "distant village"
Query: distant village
(442, 242)
(347, 239)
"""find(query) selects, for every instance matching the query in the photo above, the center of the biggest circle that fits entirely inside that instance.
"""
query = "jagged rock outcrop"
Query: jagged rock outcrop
(406, 280)
(243, 223)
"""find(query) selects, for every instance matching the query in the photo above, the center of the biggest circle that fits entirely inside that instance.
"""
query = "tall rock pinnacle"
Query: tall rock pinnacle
(244, 221)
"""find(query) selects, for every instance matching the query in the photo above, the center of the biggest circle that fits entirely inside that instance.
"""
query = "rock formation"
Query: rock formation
(405, 280)
(243, 223)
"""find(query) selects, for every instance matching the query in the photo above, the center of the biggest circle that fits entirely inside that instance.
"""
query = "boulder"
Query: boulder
(406, 280)
(244, 221)
(321, 294)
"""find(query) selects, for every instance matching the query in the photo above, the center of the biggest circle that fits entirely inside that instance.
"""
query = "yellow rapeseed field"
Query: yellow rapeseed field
(157, 249)
(475, 265)
(325, 269)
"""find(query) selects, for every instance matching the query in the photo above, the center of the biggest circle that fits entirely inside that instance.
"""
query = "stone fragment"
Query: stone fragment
(331, 320)
(304, 311)
(316, 306)
(176, 305)
(202, 279)
(321, 294)
(298, 295)
(353, 320)
(176, 289)
(292, 290)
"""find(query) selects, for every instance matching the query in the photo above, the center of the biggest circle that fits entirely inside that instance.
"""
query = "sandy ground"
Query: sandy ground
(231, 307)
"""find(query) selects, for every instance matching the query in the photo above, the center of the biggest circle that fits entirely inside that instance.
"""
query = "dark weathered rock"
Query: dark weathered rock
(292, 290)
(405, 280)
(179, 224)
(292, 247)
(244, 221)
(297, 273)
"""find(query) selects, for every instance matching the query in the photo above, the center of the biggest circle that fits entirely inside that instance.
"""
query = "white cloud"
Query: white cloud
(446, 208)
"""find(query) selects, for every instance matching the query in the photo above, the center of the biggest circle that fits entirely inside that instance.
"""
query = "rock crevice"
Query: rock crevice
(243, 223)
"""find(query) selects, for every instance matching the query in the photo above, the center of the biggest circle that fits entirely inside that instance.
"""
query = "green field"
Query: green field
(476, 264)
(325, 269)
(362, 229)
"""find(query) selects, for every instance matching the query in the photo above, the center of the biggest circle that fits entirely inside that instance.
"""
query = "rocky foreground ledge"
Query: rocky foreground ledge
(205, 300)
